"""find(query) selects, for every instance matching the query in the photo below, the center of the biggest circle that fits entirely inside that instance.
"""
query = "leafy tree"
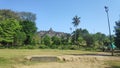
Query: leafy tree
(27, 16)
(75, 35)
(89, 40)
(106, 41)
(117, 34)
(8, 29)
(65, 40)
(81, 41)
(76, 21)
(56, 40)
(47, 40)
(100, 40)
(16, 27)
(36, 39)
(8, 14)
(79, 33)
(19, 38)
(30, 29)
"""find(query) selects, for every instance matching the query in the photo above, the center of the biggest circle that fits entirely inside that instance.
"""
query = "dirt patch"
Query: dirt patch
(42, 58)
(88, 58)
(66, 65)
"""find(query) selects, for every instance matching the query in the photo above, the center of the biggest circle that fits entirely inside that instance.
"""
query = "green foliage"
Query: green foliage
(8, 14)
(16, 28)
(80, 36)
(76, 21)
(27, 47)
(56, 40)
(117, 34)
(27, 16)
(43, 47)
(54, 46)
(19, 28)
(74, 47)
(68, 47)
(83, 38)
(29, 28)
(81, 41)
(36, 39)
(47, 40)
(9, 27)
(89, 40)
(19, 38)
(66, 40)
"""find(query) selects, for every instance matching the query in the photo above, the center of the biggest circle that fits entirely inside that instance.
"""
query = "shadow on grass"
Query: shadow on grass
(113, 64)
(115, 67)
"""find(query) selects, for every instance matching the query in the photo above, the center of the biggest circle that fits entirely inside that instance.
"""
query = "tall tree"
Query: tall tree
(79, 33)
(76, 22)
(8, 29)
(27, 16)
(28, 25)
(8, 14)
(30, 29)
(56, 40)
(100, 39)
(16, 27)
(117, 34)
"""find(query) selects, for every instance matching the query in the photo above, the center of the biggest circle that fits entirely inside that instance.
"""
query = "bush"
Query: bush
(74, 47)
(91, 49)
(71, 47)
(43, 47)
(47, 40)
(27, 47)
(2, 47)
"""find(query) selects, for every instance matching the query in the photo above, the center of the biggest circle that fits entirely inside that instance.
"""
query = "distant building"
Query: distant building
(52, 33)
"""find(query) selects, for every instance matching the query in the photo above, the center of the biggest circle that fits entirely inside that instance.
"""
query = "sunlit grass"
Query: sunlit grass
(11, 57)
(8, 53)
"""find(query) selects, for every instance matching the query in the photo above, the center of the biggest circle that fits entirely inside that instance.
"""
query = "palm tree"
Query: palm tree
(76, 22)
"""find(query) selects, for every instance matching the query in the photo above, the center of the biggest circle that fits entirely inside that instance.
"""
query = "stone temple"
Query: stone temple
(52, 33)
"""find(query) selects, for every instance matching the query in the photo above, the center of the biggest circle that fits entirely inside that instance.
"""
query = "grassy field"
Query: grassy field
(11, 57)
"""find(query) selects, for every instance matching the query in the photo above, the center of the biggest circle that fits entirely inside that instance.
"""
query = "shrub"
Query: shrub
(27, 47)
(43, 47)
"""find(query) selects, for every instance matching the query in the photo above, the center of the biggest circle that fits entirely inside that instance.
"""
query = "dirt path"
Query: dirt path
(72, 61)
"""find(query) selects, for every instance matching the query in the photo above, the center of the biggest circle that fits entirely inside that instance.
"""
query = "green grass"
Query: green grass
(11, 57)
(8, 53)
(113, 64)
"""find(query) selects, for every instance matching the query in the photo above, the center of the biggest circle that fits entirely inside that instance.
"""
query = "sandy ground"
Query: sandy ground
(72, 61)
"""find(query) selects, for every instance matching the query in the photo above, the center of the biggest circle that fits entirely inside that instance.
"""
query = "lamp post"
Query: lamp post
(106, 9)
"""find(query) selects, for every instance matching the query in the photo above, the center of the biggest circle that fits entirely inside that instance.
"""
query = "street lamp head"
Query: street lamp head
(106, 8)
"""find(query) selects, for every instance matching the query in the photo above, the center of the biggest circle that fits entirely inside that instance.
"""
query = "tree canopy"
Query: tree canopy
(15, 30)
(117, 34)
(19, 28)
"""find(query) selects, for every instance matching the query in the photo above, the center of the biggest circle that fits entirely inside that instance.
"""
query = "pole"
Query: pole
(106, 9)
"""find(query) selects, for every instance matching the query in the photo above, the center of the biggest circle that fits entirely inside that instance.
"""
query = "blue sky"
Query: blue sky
(58, 14)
